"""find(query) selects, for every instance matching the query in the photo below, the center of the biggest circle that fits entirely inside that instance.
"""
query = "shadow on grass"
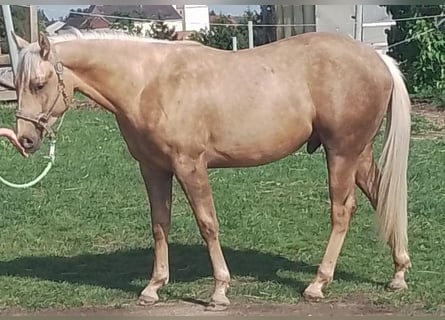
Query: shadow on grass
(117, 270)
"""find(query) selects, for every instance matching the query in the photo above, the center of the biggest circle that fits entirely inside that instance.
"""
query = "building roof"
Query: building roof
(54, 27)
(83, 22)
(155, 12)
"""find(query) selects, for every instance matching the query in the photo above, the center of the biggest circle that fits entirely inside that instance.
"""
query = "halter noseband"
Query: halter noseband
(42, 118)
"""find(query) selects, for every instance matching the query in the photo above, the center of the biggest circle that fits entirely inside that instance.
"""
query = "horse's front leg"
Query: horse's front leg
(193, 176)
(159, 189)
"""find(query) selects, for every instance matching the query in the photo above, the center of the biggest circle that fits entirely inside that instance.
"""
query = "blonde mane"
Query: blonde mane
(111, 35)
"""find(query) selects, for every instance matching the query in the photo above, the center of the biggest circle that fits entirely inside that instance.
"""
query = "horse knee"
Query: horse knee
(158, 232)
(208, 229)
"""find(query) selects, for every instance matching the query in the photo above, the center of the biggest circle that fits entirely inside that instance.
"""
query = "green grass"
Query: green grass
(82, 236)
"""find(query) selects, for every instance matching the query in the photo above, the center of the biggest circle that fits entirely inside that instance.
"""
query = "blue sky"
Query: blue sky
(56, 11)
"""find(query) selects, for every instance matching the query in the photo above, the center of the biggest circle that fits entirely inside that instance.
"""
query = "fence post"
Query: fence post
(9, 27)
(234, 44)
(250, 29)
(33, 23)
(359, 23)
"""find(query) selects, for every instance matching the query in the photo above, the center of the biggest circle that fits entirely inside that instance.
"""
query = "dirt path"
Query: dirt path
(354, 307)
(431, 113)
(435, 116)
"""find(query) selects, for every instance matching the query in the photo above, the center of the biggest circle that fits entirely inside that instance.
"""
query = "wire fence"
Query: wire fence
(300, 25)
(246, 24)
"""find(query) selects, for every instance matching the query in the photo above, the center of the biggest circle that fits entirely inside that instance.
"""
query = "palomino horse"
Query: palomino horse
(183, 108)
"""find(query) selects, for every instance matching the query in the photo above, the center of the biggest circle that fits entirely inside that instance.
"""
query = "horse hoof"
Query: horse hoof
(220, 303)
(147, 301)
(312, 295)
(216, 307)
(397, 285)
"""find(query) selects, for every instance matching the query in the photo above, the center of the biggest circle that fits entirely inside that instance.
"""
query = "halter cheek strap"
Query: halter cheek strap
(41, 119)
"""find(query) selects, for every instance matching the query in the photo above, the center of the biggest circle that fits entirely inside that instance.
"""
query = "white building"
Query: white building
(195, 17)
(336, 18)
(342, 18)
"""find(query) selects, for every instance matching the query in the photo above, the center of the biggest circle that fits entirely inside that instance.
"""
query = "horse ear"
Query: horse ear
(19, 42)
(45, 46)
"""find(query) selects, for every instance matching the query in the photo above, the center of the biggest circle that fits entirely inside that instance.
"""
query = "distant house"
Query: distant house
(195, 17)
(79, 22)
(101, 17)
(166, 13)
(88, 23)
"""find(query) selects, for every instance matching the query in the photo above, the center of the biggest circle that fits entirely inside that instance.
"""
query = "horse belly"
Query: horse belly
(257, 145)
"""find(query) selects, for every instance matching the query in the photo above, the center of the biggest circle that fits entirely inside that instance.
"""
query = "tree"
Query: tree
(221, 33)
(224, 28)
(267, 34)
(42, 19)
(80, 10)
(419, 46)
(20, 19)
(127, 25)
(160, 30)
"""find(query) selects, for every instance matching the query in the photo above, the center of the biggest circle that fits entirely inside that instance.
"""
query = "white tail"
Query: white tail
(392, 195)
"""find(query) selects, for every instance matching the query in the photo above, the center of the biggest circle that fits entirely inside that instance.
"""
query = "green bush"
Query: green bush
(429, 68)
(220, 34)
(422, 55)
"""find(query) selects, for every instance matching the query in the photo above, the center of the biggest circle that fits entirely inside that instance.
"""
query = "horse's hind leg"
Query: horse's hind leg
(342, 171)
(368, 178)
(192, 174)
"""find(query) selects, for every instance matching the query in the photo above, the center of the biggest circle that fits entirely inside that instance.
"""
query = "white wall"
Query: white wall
(196, 17)
(338, 18)
(332, 18)
(375, 22)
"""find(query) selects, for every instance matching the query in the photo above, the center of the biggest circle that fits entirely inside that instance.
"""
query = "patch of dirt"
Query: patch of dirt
(353, 307)
(433, 115)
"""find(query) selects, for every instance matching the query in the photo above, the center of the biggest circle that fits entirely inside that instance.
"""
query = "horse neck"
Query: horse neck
(107, 71)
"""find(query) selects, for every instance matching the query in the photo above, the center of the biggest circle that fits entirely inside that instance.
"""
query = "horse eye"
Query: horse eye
(39, 86)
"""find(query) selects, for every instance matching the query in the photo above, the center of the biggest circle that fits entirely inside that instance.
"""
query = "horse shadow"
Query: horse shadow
(121, 269)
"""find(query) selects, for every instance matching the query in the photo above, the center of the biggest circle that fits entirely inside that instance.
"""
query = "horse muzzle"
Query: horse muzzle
(31, 143)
